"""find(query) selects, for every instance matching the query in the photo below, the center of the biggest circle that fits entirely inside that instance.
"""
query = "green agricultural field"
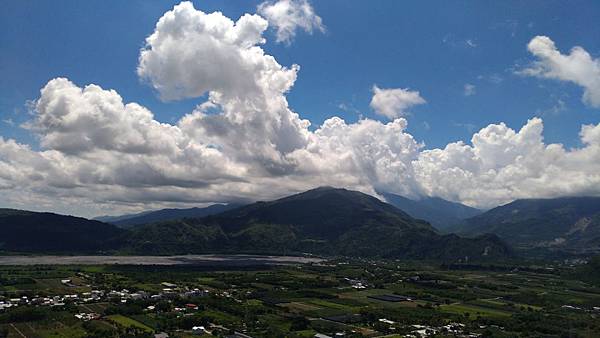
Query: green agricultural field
(128, 322)
(300, 306)
(45, 330)
(473, 310)
(93, 307)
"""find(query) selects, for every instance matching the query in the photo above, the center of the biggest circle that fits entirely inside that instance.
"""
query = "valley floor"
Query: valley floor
(351, 297)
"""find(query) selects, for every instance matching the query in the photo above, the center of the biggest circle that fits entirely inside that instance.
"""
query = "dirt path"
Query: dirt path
(17, 330)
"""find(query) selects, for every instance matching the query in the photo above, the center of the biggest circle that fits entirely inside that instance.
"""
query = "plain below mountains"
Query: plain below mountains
(324, 221)
(569, 223)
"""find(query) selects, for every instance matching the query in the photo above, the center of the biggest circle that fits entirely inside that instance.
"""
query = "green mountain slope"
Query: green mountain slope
(570, 223)
(27, 231)
(321, 213)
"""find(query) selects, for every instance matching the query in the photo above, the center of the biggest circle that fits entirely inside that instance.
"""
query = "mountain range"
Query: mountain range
(571, 223)
(442, 214)
(325, 220)
(132, 220)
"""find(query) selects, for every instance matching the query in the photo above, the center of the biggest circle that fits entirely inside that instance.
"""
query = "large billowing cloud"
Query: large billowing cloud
(191, 53)
(77, 120)
(502, 164)
(287, 16)
(577, 67)
(103, 155)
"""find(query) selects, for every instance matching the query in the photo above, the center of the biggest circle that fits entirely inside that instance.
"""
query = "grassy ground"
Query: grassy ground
(300, 306)
(128, 322)
(93, 307)
(473, 310)
(49, 330)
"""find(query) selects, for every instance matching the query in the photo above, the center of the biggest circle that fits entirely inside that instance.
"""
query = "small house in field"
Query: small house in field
(320, 335)
(199, 330)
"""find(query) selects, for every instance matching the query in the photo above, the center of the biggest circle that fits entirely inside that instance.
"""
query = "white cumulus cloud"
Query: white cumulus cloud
(502, 164)
(394, 102)
(578, 67)
(287, 16)
(469, 89)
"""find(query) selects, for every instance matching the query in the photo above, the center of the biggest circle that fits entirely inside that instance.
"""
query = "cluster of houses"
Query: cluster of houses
(356, 283)
(201, 331)
(595, 309)
(420, 331)
(453, 329)
(60, 300)
(168, 292)
(87, 316)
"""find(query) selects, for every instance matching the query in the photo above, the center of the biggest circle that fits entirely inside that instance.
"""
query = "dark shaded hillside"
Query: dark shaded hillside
(570, 222)
(27, 231)
(441, 213)
(174, 237)
(322, 221)
(129, 221)
(324, 213)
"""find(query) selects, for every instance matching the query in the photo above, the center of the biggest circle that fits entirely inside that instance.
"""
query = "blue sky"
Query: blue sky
(420, 45)
(409, 80)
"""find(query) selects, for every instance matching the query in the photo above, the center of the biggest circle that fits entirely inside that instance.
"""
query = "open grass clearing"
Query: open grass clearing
(324, 303)
(473, 310)
(128, 322)
(300, 306)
